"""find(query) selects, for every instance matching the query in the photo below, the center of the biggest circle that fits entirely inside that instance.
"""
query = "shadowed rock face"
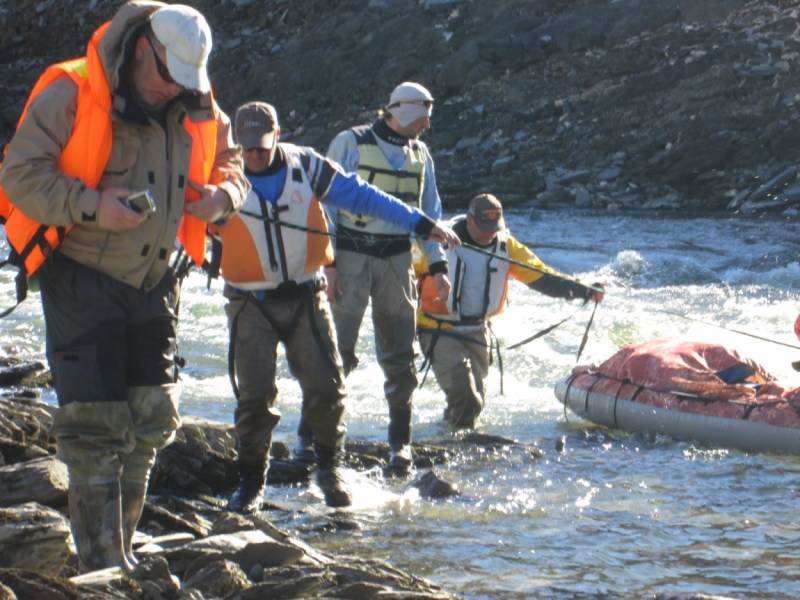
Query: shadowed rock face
(694, 105)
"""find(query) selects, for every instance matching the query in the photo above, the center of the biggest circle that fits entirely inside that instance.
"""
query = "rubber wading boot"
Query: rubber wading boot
(304, 450)
(400, 440)
(95, 516)
(329, 477)
(252, 481)
(133, 493)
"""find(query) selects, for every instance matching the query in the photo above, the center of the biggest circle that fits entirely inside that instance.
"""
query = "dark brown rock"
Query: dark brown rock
(431, 485)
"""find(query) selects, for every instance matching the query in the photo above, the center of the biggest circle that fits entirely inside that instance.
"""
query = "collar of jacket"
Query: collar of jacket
(387, 134)
(278, 163)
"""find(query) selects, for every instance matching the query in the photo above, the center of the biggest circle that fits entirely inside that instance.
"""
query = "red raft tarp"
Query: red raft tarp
(647, 386)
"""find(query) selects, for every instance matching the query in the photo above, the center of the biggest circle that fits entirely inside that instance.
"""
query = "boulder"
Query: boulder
(431, 485)
(221, 579)
(43, 480)
(34, 537)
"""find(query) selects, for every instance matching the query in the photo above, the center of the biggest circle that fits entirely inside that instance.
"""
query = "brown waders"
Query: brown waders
(298, 316)
(389, 284)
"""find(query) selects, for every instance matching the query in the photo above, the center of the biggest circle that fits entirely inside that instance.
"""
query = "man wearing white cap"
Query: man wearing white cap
(373, 257)
(134, 115)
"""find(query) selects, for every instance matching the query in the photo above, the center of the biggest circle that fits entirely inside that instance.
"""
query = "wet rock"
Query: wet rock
(431, 485)
(13, 370)
(482, 439)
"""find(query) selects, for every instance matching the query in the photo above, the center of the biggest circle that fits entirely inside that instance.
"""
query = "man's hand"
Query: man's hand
(445, 236)
(334, 284)
(443, 287)
(213, 203)
(113, 215)
(597, 296)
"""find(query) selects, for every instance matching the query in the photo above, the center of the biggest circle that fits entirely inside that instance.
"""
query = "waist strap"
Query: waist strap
(379, 245)
(288, 290)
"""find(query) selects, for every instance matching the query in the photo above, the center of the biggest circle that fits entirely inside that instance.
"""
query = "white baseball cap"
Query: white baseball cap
(186, 36)
(410, 101)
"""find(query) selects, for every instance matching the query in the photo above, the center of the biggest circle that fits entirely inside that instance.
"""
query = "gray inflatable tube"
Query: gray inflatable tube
(632, 416)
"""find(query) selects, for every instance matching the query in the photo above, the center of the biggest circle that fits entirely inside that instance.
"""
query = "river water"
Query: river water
(612, 516)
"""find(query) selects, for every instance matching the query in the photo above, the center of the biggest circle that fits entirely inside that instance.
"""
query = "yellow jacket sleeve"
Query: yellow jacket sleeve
(550, 282)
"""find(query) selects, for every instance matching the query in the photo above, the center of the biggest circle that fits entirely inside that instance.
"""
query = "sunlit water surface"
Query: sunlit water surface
(614, 515)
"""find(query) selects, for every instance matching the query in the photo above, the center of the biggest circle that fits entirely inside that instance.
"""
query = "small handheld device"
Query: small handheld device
(141, 202)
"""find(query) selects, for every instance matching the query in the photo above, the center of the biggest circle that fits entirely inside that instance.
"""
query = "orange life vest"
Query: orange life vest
(86, 153)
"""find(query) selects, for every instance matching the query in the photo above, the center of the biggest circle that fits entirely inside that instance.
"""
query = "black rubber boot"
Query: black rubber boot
(400, 457)
(329, 477)
(304, 450)
(252, 481)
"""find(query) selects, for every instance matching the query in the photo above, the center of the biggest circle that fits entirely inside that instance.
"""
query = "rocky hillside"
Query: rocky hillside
(596, 103)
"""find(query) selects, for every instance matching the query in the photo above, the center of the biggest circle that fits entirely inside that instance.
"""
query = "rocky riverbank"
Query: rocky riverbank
(188, 544)
(620, 105)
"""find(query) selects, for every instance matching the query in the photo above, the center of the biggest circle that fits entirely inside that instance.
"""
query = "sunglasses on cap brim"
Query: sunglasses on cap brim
(425, 103)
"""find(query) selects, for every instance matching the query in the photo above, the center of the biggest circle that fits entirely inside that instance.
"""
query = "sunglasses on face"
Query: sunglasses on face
(425, 103)
(258, 150)
(162, 69)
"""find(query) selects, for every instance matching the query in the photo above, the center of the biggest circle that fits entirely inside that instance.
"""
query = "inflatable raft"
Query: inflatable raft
(690, 391)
